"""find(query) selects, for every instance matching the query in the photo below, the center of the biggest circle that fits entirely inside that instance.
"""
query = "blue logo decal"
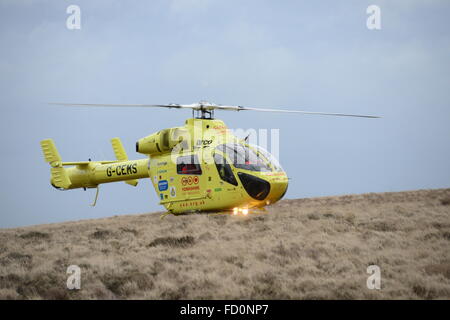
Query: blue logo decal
(163, 185)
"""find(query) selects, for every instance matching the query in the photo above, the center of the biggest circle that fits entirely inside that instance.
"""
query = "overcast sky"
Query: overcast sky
(308, 55)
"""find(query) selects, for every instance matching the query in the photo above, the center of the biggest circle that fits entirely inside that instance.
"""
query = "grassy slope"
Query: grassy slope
(304, 248)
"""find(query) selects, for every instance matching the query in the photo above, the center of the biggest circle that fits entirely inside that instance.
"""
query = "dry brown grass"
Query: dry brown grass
(300, 249)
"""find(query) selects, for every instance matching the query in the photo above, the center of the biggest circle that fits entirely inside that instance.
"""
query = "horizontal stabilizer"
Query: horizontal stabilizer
(133, 182)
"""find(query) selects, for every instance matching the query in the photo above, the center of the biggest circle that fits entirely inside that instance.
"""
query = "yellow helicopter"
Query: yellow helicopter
(200, 166)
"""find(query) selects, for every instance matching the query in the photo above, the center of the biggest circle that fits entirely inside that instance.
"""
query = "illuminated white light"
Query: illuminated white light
(235, 211)
(245, 211)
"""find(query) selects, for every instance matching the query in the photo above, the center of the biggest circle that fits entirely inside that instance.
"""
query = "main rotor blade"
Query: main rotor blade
(177, 106)
(209, 106)
(239, 108)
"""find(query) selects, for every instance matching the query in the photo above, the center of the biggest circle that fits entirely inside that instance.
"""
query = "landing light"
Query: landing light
(243, 211)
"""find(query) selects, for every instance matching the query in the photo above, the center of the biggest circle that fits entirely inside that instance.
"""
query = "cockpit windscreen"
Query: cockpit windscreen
(243, 157)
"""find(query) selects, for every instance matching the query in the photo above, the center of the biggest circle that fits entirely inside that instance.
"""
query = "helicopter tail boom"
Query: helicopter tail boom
(89, 174)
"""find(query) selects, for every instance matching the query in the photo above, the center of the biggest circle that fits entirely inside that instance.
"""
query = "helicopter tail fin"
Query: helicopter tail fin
(51, 154)
(119, 151)
(59, 177)
(121, 155)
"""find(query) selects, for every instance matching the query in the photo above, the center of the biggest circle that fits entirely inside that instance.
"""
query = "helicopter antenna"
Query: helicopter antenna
(205, 110)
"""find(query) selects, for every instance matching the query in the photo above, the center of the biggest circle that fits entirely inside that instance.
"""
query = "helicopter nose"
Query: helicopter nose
(268, 188)
(278, 188)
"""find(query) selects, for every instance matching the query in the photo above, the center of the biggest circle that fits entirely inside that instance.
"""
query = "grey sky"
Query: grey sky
(309, 55)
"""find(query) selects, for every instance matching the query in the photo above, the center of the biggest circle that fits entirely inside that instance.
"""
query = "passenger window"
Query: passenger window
(188, 165)
(224, 169)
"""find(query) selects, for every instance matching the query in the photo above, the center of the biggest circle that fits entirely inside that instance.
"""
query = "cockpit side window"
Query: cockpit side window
(242, 157)
(224, 169)
(188, 165)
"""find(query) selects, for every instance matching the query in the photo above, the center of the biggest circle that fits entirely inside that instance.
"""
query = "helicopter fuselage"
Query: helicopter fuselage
(200, 166)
